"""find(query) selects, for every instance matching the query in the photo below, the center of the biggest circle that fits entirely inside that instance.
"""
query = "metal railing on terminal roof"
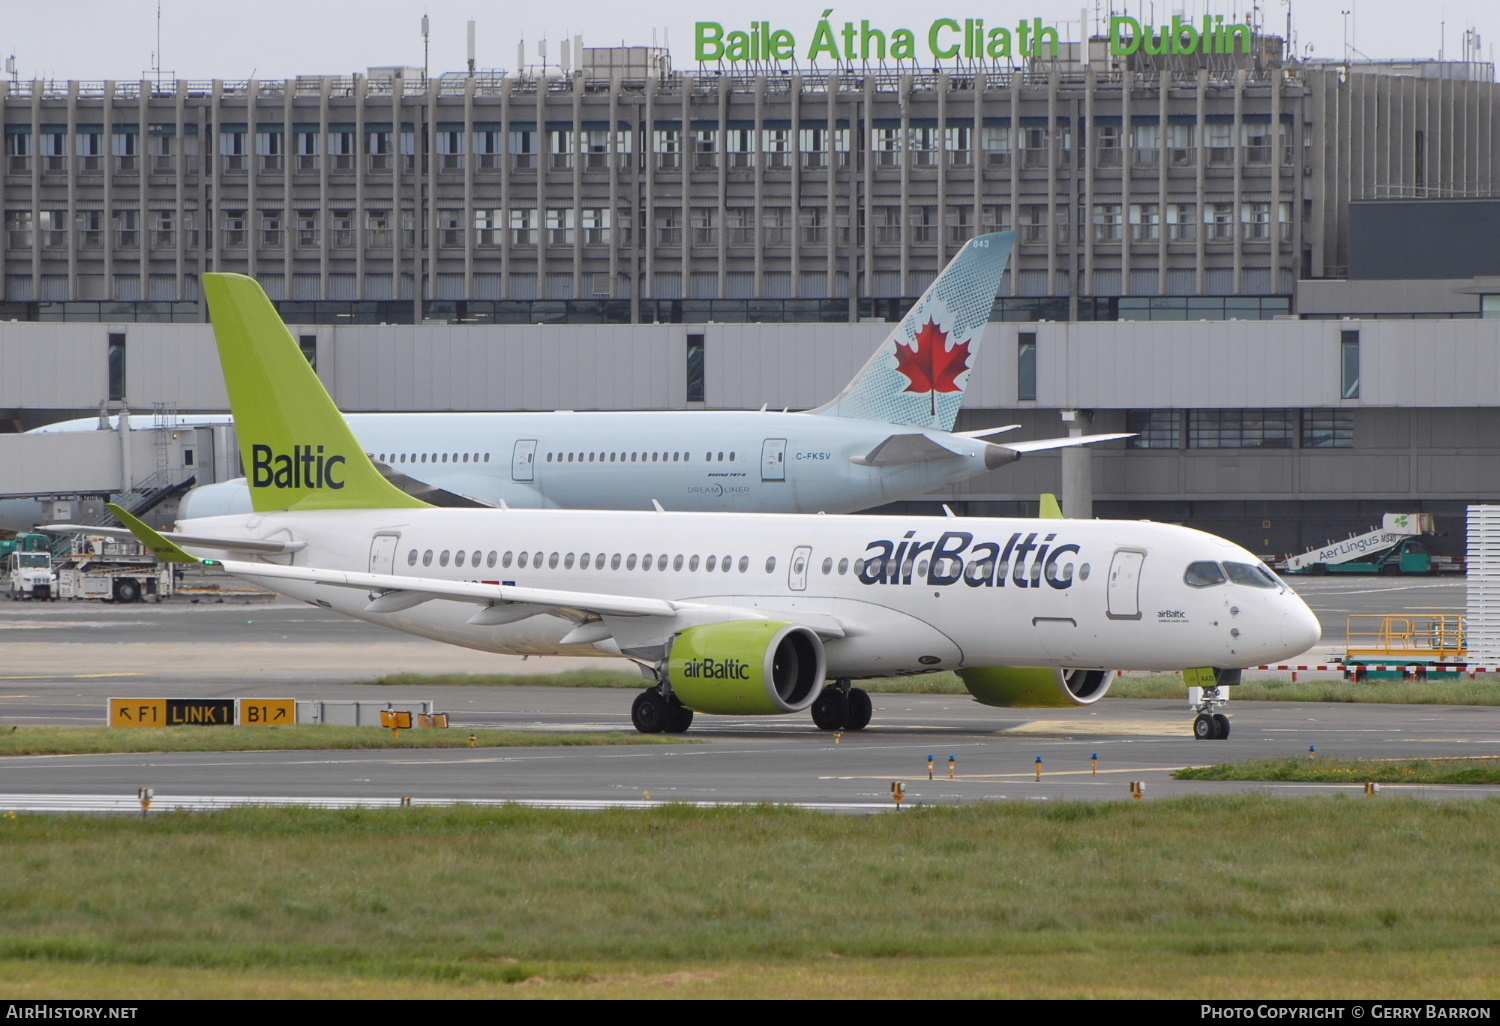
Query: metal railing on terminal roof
(705, 80)
(1026, 309)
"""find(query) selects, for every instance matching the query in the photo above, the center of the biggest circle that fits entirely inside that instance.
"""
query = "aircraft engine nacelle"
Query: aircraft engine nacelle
(747, 667)
(1031, 687)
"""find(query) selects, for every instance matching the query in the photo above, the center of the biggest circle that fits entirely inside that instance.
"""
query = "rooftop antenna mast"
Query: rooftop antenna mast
(424, 49)
(156, 73)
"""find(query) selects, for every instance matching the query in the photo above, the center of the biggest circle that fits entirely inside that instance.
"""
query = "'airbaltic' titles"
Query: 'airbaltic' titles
(717, 669)
(1025, 562)
(306, 467)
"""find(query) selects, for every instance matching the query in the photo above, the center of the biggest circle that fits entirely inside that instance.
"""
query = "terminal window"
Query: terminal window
(1026, 365)
(1327, 429)
(1240, 429)
(1154, 429)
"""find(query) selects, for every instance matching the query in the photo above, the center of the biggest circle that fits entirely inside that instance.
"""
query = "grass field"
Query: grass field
(1480, 770)
(1235, 896)
(96, 740)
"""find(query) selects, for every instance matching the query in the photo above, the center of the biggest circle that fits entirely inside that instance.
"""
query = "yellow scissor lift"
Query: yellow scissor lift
(1374, 639)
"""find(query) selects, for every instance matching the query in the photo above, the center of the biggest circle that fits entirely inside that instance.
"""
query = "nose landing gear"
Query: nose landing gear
(1209, 725)
(1207, 691)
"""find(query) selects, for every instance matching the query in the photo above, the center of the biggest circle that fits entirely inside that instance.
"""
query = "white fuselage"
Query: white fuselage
(735, 461)
(1000, 592)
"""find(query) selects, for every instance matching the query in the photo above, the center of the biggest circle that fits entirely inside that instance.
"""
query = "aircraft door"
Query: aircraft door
(796, 577)
(773, 460)
(383, 553)
(1125, 585)
(523, 460)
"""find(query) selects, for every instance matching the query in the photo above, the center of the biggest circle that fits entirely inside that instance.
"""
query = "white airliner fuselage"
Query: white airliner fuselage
(748, 462)
(887, 594)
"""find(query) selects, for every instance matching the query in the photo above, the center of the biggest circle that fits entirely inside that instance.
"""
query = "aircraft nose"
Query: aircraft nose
(1300, 629)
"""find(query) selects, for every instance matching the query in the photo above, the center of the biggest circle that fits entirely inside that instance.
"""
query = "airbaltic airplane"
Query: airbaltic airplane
(887, 436)
(728, 612)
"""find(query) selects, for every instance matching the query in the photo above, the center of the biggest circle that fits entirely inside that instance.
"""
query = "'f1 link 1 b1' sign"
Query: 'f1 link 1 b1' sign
(946, 39)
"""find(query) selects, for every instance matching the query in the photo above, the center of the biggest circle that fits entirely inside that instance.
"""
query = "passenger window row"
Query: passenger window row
(599, 561)
(633, 457)
(587, 561)
(437, 457)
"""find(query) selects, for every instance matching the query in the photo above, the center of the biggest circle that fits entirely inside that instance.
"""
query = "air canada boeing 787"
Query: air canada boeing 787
(887, 436)
(738, 613)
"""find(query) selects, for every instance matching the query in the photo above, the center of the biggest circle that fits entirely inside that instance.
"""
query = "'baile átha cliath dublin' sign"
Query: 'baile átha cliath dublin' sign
(945, 39)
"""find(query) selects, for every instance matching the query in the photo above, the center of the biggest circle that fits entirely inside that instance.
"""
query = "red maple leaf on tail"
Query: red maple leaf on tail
(930, 366)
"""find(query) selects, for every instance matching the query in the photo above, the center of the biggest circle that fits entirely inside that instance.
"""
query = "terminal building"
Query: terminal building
(1312, 243)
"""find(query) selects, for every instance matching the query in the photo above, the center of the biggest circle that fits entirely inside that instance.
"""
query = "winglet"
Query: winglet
(1050, 508)
(297, 449)
(918, 375)
(163, 550)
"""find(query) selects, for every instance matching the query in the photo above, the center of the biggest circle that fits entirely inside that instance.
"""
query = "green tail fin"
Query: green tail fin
(297, 450)
(1050, 509)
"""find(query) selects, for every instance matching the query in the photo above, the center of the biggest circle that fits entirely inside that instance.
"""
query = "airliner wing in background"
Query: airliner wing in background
(913, 447)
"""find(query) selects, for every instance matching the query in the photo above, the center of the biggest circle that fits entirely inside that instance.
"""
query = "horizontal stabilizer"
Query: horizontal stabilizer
(1039, 444)
(269, 548)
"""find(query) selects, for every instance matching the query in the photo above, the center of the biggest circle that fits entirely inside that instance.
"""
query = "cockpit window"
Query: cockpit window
(1255, 576)
(1203, 575)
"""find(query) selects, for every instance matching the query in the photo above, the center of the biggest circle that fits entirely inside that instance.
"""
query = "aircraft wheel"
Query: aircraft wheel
(831, 710)
(1222, 722)
(679, 717)
(1204, 728)
(860, 709)
(650, 713)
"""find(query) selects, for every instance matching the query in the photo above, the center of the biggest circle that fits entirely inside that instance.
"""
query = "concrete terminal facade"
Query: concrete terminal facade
(638, 208)
(1221, 176)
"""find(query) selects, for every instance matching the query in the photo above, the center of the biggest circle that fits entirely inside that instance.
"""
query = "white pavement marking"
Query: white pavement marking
(209, 803)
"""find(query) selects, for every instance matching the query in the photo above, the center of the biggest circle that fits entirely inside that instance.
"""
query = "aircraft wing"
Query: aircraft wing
(270, 548)
(429, 493)
(506, 603)
(908, 447)
(986, 432)
(426, 588)
(500, 603)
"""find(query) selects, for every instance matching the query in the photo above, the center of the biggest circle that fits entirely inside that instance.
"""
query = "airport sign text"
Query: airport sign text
(946, 39)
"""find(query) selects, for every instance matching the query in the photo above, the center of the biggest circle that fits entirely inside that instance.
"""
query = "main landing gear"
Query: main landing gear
(655, 712)
(1210, 725)
(841, 707)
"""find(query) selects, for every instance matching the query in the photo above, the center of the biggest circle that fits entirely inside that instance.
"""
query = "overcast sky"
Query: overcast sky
(237, 39)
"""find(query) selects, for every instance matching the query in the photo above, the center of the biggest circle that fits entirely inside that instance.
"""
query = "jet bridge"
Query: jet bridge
(44, 474)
